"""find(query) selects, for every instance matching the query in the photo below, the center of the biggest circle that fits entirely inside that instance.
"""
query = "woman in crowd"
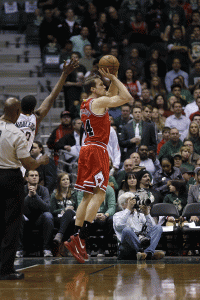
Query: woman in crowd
(129, 184)
(159, 121)
(185, 152)
(160, 103)
(193, 135)
(163, 177)
(132, 83)
(169, 30)
(156, 87)
(63, 207)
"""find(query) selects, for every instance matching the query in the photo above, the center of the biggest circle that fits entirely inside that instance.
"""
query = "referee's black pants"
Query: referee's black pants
(11, 200)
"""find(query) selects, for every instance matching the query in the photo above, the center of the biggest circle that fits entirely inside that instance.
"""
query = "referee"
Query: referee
(13, 154)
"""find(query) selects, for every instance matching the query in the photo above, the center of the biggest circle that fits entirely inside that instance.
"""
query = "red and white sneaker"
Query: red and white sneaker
(80, 244)
(74, 251)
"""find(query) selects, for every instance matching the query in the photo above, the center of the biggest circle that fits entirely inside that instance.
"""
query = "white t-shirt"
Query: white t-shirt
(13, 146)
(27, 124)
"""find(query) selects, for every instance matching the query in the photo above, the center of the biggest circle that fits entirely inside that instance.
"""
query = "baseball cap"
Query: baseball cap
(65, 113)
(185, 170)
(196, 170)
(177, 154)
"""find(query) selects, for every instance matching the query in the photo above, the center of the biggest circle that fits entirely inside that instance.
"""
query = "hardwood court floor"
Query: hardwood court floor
(172, 278)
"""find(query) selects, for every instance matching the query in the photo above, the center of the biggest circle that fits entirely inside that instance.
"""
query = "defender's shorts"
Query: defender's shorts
(93, 168)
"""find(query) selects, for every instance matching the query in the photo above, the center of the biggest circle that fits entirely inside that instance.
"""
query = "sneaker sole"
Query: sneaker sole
(83, 253)
(79, 258)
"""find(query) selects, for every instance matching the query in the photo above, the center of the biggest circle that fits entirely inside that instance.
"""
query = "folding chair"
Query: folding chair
(173, 237)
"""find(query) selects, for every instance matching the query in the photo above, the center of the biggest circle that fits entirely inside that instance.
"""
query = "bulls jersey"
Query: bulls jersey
(27, 124)
(97, 127)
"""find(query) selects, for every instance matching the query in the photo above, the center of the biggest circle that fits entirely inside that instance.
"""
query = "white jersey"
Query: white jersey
(27, 124)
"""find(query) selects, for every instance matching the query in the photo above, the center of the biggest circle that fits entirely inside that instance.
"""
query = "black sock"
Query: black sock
(149, 256)
(77, 229)
(85, 230)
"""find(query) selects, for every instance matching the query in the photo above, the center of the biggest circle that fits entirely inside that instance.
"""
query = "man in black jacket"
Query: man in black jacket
(137, 132)
(37, 210)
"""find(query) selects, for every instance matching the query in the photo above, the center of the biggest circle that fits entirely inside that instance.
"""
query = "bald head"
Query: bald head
(12, 109)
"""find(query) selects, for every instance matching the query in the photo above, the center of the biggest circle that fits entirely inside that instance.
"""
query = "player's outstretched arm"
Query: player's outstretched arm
(123, 94)
(46, 105)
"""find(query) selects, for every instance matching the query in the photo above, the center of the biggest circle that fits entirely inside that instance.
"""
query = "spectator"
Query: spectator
(137, 132)
(155, 57)
(57, 134)
(185, 154)
(129, 225)
(139, 29)
(184, 94)
(48, 28)
(168, 34)
(136, 159)
(79, 41)
(193, 135)
(173, 145)
(176, 71)
(114, 151)
(149, 161)
(159, 122)
(128, 11)
(192, 107)
(177, 196)
(163, 177)
(193, 155)
(193, 194)
(178, 121)
(129, 184)
(156, 87)
(177, 160)
(165, 138)
(47, 173)
(63, 207)
(87, 60)
(195, 21)
(66, 52)
(132, 83)
(37, 210)
(173, 7)
(128, 167)
(176, 90)
(146, 113)
(160, 103)
(196, 118)
(68, 27)
(146, 97)
(196, 113)
(194, 76)
(124, 118)
(194, 43)
(73, 86)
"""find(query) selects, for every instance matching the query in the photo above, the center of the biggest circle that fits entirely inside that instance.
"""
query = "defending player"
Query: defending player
(93, 164)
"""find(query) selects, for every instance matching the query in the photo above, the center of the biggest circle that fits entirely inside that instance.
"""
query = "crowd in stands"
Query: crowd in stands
(154, 145)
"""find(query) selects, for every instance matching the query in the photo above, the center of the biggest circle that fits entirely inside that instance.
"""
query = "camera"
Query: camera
(146, 202)
(144, 241)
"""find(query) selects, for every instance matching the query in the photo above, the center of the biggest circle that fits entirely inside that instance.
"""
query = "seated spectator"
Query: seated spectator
(87, 60)
(178, 121)
(185, 152)
(128, 167)
(37, 210)
(156, 87)
(47, 173)
(184, 94)
(177, 196)
(128, 236)
(146, 113)
(79, 41)
(66, 52)
(160, 102)
(192, 107)
(163, 177)
(194, 43)
(195, 21)
(132, 83)
(136, 159)
(57, 134)
(165, 138)
(112, 181)
(193, 155)
(159, 122)
(176, 71)
(173, 145)
(155, 57)
(194, 75)
(168, 34)
(188, 176)
(124, 118)
(146, 97)
(139, 28)
(114, 150)
(63, 207)
(177, 160)
(129, 184)
(193, 135)
(193, 195)
(148, 159)
(73, 86)
(196, 112)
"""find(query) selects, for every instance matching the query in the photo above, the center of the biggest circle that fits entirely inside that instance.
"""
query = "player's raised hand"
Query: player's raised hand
(106, 74)
(71, 66)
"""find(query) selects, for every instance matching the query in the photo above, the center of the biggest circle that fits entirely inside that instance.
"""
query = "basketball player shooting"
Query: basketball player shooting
(93, 164)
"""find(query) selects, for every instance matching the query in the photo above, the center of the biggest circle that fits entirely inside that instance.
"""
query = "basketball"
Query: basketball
(109, 62)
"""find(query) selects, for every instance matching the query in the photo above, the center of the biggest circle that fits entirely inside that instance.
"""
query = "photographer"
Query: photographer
(136, 230)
